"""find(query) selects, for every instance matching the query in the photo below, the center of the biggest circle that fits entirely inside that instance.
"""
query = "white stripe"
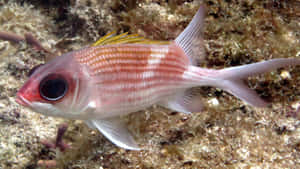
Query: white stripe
(100, 79)
(156, 49)
(188, 73)
(144, 98)
(112, 70)
(131, 85)
(158, 56)
(108, 52)
(75, 93)
(153, 61)
(147, 74)
(103, 65)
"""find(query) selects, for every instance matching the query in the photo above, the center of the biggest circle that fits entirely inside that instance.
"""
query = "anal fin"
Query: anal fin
(186, 101)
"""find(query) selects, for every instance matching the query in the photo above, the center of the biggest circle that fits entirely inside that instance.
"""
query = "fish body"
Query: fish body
(99, 83)
(131, 77)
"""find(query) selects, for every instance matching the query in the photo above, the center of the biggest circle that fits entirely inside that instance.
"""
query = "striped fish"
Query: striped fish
(120, 74)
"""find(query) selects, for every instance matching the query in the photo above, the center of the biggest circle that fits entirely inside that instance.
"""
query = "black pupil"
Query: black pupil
(53, 87)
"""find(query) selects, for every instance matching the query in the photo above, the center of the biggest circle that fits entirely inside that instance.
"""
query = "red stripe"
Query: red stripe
(118, 78)
(132, 52)
(134, 62)
(134, 80)
(110, 51)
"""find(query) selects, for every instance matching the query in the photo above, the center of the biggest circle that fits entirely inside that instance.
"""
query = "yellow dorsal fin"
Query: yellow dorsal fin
(124, 38)
(102, 39)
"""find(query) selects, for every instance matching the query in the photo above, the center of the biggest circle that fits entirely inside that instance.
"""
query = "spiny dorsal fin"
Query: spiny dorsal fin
(111, 38)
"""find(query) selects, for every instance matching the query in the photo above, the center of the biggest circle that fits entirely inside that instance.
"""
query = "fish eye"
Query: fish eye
(34, 69)
(53, 87)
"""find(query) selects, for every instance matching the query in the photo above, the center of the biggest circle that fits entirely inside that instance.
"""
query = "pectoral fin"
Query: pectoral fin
(116, 131)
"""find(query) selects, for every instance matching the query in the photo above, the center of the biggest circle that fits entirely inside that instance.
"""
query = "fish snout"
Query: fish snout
(21, 99)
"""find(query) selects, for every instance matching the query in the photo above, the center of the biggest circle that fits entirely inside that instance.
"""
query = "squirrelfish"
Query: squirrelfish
(121, 74)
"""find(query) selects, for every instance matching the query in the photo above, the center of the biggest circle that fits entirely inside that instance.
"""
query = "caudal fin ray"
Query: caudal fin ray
(242, 72)
(231, 79)
(239, 89)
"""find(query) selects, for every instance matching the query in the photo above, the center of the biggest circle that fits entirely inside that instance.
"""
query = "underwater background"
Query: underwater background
(227, 134)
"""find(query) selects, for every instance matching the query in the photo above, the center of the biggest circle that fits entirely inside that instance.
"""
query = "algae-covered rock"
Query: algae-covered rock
(227, 134)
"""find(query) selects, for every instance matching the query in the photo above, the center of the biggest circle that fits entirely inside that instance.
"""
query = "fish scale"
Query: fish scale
(146, 71)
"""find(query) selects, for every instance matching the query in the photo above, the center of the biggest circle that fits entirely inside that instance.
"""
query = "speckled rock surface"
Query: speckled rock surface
(227, 134)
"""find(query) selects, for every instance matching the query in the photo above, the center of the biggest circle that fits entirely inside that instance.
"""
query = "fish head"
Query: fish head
(58, 88)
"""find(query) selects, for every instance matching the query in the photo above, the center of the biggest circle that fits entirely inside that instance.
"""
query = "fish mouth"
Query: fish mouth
(21, 100)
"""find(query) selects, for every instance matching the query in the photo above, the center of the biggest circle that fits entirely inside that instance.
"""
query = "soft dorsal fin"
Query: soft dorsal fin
(111, 38)
(190, 40)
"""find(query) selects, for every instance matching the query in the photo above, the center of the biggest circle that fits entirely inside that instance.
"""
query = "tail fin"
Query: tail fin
(231, 79)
